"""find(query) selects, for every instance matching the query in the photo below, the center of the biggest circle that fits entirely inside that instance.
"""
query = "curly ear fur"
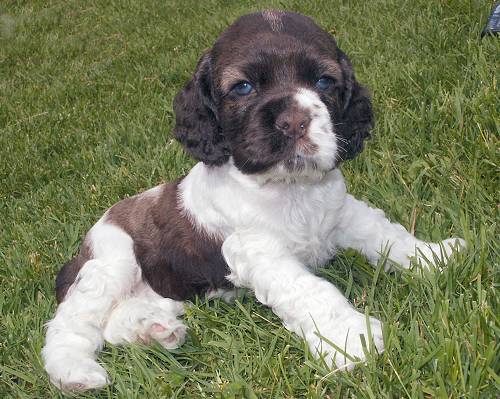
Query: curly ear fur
(357, 116)
(196, 118)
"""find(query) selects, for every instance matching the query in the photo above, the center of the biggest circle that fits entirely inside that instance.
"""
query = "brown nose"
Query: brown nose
(293, 122)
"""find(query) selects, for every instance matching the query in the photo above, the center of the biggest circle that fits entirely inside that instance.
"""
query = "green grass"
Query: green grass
(86, 89)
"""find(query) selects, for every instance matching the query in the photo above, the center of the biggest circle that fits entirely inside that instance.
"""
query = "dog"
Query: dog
(271, 112)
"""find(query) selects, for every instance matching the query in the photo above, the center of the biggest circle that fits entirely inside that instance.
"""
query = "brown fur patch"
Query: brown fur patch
(177, 260)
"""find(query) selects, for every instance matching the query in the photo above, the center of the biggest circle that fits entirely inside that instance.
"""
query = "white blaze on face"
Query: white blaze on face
(320, 131)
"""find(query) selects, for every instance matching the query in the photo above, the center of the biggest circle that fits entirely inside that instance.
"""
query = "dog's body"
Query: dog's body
(270, 112)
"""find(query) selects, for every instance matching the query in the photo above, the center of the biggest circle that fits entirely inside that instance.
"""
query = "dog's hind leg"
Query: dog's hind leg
(144, 317)
(75, 334)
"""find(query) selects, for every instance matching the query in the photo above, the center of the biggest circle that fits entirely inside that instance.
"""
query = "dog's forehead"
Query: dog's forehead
(273, 29)
(272, 43)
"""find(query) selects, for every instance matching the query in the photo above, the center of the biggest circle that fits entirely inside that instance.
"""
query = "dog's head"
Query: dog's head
(277, 95)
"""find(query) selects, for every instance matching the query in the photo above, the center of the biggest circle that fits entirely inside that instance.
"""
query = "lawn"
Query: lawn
(86, 91)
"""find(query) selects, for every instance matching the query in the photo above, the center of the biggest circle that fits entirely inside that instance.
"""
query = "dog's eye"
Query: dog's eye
(324, 83)
(242, 88)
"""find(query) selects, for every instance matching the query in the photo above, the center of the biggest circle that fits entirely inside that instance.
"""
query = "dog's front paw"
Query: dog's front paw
(77, 374)
(339, 341)
(437, 254)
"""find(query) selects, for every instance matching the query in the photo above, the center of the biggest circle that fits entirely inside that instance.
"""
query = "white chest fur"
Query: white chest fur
(303, 215)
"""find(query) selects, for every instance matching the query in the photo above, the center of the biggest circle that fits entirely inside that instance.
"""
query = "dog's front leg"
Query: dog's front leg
(307, 304)
(370, 232)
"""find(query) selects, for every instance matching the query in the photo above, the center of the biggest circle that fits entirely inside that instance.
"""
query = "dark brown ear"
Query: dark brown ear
(196, 118)
(357, 115)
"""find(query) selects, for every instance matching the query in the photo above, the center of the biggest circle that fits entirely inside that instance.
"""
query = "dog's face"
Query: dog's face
(277, 95)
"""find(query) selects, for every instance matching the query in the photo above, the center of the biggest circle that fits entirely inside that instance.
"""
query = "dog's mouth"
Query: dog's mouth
(304, 146)
(307, 156)
(299, 163)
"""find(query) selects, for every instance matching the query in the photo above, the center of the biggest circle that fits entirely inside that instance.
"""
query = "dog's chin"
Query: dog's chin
(297, 168)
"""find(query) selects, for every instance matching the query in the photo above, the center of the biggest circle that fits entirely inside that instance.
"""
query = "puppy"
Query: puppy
(271, 112)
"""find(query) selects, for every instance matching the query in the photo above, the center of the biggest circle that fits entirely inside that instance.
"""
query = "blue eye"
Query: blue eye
(243, 88)
(324, 83)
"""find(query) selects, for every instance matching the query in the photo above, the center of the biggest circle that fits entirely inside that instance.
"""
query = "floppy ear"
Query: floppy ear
(196, 118)
(357, 115)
